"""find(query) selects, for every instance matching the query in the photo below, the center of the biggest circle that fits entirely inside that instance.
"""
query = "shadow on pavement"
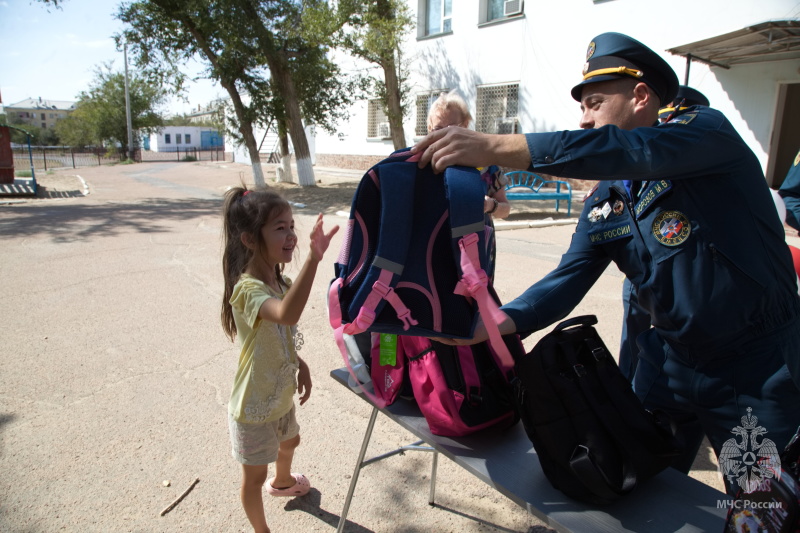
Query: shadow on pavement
(310, 503)
(70, 222)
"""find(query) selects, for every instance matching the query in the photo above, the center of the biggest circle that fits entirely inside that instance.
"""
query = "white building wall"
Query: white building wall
(158, 144)
(544, 51)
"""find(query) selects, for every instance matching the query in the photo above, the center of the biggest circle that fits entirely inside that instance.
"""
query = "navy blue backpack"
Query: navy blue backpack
(415, 259)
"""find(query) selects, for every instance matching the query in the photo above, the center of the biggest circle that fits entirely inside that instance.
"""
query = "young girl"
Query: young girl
(262, 307)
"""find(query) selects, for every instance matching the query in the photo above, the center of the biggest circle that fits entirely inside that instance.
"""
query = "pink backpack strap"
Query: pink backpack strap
(475, 283)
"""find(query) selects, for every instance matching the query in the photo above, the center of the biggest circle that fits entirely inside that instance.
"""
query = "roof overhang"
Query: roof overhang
(775, 40)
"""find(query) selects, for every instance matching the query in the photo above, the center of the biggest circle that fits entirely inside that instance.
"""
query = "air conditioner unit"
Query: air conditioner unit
(384, 130)
(506, 125)
(512, 7)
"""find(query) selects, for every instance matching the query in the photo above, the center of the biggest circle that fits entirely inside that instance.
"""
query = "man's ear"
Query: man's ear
(248, 241)
(644, 97)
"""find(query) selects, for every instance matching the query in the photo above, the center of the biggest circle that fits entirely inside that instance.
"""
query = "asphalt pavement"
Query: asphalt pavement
(115, 372)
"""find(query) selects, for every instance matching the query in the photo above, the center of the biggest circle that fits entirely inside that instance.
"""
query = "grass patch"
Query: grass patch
(23, 173)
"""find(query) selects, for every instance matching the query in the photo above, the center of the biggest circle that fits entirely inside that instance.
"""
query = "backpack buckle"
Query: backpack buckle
(579, 370)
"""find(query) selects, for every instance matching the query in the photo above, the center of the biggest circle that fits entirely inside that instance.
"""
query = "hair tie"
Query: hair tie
(245, 193)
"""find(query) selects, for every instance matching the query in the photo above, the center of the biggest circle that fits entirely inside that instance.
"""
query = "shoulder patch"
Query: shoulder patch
(683, 119)
(671, 228)
(796, 159)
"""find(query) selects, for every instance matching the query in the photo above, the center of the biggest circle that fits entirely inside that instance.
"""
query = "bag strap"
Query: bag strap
(396, 180)
(582, 461)
(465, 196)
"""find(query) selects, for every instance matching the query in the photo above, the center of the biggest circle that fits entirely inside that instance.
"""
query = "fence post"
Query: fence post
(99, 163)
(72, 152)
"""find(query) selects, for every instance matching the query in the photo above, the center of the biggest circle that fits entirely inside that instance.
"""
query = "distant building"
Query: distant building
(180, 138)
(38, 112)
(208, 114)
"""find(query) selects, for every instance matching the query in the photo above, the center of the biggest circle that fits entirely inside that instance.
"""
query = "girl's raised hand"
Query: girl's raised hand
(320, 240)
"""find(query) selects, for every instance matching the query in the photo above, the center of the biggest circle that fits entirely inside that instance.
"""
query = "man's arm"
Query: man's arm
(460, 146)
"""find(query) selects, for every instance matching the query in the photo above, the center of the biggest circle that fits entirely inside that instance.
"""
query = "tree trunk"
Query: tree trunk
(393, 103)
(285, 84)
(284, 170)
(389, 62)
(245, 125)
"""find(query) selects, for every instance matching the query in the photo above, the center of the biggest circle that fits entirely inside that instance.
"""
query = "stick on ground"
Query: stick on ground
(179, 498)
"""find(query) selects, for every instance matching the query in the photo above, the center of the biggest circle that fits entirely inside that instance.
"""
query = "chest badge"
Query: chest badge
(671, 228)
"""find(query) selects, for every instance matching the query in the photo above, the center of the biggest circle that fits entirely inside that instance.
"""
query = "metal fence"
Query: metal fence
(52, 157)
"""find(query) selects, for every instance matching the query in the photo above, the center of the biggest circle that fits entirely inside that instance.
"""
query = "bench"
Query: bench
(506, 461)
(534, 187)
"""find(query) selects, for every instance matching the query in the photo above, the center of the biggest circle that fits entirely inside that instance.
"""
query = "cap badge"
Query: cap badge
(590, 51)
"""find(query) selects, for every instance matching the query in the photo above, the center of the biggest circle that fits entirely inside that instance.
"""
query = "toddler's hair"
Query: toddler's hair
(445, 102)
(244, 211)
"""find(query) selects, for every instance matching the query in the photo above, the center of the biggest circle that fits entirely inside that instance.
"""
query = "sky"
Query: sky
(52, 53)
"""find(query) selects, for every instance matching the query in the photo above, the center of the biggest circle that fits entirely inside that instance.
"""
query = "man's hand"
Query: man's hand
(460, 146)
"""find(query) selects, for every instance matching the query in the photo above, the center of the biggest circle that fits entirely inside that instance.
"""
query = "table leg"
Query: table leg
(354, 480)
(433, 477)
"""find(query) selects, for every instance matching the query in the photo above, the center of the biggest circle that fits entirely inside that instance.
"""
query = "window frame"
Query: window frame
(486, 117)
(424, 17)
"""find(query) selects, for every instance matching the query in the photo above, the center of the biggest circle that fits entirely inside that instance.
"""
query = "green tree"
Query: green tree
(39, 136)
(99, 117)
(251, 47)
(374, 32)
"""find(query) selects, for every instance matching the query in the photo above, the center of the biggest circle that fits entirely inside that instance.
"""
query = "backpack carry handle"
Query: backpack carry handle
(583, 320)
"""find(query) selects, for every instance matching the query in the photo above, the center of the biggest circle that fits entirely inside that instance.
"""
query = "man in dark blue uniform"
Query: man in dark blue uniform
(684, 211)
(636, 320)
(790, 192)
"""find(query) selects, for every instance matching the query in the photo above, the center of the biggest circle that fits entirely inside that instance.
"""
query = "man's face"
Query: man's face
(609, 102)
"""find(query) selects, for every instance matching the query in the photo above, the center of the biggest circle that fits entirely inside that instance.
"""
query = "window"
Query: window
(438, 16)
(44, 125)
(43, 116)
(377, 121)
(187, 139)
(167, 138)
(424, 102)
(177, 138)
(495, 9)
(497, 109)
(499, 9)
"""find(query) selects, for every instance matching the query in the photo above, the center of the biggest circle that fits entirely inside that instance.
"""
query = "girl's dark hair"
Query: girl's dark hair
(244, 211)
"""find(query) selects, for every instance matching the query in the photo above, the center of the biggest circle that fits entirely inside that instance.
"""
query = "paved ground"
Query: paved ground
(115, 373)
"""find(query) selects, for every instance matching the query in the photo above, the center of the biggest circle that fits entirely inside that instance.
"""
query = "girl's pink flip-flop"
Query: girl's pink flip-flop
(300, 488)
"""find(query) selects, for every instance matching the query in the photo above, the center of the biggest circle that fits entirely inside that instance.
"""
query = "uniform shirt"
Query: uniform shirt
(265, 381)
(701, 240)
(790, 192)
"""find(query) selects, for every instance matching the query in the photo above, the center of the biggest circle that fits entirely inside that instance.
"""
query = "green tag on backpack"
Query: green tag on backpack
(388, 349)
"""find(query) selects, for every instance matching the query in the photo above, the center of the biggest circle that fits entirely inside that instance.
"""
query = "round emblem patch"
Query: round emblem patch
(590, 51)
(671, 228)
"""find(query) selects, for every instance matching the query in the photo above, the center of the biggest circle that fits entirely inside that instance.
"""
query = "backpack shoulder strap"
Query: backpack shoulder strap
(396, 181)
(465, 194)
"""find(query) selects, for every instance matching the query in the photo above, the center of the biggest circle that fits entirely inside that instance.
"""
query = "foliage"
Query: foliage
(39, 136)
(239, 40)
(374, 31)
(100, 118)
